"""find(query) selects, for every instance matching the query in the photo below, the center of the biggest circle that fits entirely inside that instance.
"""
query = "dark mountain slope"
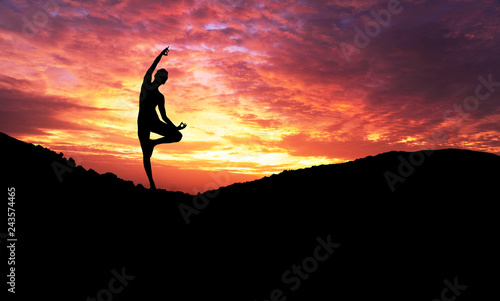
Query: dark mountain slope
(441, 222)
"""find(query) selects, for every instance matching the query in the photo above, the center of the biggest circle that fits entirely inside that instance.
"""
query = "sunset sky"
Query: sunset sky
(264, 86)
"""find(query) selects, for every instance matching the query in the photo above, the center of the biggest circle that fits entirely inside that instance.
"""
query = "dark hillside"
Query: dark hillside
(332, 232)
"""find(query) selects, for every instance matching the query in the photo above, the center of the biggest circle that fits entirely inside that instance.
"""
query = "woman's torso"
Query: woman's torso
(148, 101)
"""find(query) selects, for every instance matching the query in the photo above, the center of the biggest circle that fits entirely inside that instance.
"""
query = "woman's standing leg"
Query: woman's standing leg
(146, 160)
(147, 150)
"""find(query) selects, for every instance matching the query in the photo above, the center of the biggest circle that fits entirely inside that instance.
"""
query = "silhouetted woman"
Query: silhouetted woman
(148, 120)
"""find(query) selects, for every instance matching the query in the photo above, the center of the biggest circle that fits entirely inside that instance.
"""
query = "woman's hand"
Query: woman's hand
(165, 51)
(182, 126)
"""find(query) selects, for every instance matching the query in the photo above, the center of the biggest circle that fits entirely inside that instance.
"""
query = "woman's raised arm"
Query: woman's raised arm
(151, 69)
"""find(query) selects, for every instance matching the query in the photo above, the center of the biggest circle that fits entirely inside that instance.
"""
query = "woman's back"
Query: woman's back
(148, 101)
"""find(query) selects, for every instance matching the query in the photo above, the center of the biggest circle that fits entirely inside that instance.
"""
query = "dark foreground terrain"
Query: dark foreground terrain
(333, 232)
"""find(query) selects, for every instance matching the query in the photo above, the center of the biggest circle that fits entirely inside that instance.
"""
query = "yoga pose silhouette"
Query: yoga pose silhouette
(148, 120)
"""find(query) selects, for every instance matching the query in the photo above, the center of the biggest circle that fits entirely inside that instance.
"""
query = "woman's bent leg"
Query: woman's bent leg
(171, 138)
(171, 134)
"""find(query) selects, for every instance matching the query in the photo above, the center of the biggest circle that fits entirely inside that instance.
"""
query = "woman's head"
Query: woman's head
(161, 76)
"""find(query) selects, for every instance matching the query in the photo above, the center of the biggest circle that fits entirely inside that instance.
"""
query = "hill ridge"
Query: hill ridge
(63, 163)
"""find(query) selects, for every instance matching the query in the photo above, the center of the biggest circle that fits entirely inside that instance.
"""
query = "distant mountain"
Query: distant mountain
(395, 226)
